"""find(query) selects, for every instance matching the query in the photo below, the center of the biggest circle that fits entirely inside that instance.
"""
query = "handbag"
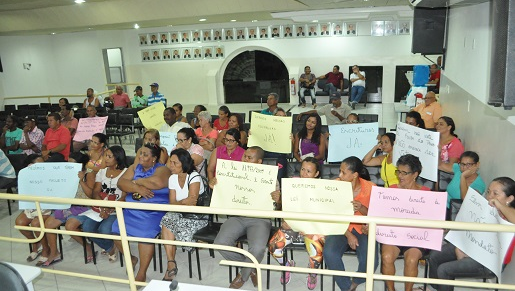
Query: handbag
(203, 199)
(104, 196)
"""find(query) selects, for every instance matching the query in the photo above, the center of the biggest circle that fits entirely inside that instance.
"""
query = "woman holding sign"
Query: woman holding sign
(146, 182)
(351, 170)
(310, 168)
(451, 262)
(385, 161)
(185, 185)
(309, 141)
(408, 169)
(450, 146)
(230, 151)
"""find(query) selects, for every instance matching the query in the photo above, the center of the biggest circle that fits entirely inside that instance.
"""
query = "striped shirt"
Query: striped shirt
(153, 99)
(6, 169)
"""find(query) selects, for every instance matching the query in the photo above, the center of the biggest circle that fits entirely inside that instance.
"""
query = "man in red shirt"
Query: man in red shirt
(434, 78)
(120, 99)
(56, 144)
(334, 80)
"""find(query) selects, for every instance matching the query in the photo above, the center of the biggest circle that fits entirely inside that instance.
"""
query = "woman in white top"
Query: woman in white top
(185, 186)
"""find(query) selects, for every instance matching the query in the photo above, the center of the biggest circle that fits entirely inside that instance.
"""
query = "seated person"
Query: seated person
(187, 140)
(385, 160)
(430, 110)
(450, 146)
(272, 101)
(171, 124)
(235, 121)
(334, 80)
(310, 141)
(152, 136)
(414, 118)
(194, 123)
(206, 134)
(222, 122)
(11, 136)
(335, 113)
(352, 118)
(178, 113)
(231, 150)
(32, 138)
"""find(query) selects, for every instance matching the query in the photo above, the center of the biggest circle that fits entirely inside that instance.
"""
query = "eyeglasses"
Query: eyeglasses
(180, 140)
(352, 121)
(426, 98)
(467, 165)
(229, 140)
(402, 173)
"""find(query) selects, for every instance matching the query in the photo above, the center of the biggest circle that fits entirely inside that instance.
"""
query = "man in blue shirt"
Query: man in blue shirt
(273, 99)
(155, 97)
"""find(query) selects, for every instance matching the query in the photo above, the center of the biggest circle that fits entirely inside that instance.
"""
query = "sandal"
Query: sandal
(50, 263)
(287, 275)
(34, 255)
(112, 258)
(89, 259)
(171, 273)
(311, 281)
(41, 261)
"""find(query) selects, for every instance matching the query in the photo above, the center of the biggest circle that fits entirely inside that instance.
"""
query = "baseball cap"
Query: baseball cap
(154, 85)
(138, 88)
(336, 95)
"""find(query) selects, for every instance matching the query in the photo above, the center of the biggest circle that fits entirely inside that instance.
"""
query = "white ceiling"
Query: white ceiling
(29, 17)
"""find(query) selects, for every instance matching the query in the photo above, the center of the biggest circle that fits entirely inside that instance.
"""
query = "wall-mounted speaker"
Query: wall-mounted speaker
(502, 69)
(428, 30)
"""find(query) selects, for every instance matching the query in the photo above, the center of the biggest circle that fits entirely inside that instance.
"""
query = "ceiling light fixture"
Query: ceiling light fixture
(136, 26)
(202, 19)
(79, 1)
(254, 20)
(233, 20)
(52, 33)
(314, 20)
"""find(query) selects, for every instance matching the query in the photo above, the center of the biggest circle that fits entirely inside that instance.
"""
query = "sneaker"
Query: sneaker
(353, 105)
(287, 275)
(311, 281)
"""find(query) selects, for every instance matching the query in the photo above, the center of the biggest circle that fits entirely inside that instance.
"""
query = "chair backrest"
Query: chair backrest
(430, 184)
(130, 160)
(270, 161)
(250, 113)
(375, 175)
(444, 179)
(321, 83)
(246, 127)
(45, 105)
(346, 83)
(16, 161)
(190, 116)
(330, 171)
(11, 279)
(368, 118)
(23, 107)
(382, 130)
(302, 120)
(138, 144)
(293, 169)
(126, 120)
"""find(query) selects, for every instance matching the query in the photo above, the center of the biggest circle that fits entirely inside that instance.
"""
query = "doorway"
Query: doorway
(114, 66)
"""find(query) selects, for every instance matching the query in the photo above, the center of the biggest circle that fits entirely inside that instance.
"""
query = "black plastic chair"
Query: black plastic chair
(11, 279)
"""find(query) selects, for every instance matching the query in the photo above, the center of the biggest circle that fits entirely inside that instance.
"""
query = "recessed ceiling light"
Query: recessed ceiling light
(314, 21)
(89, 27)
(53, 33)
(202, 19)
(136, 26)
(254, 20)
(79, 1)
(233, 20)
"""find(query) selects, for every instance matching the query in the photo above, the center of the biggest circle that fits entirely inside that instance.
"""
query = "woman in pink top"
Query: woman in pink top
(205, 133)
(223, 118)
(230, 151)
(450, 146)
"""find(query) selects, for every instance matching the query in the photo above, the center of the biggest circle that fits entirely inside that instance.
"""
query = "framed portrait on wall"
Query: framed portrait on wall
(156, 55)
(145, 55)
(301, 30)
(288, 31)
(404, 27)
(313, 30)
(153, 38)
(176, 54)
(390, 28)
(186, 53)
(207, 52)
(174, 37)
(240, 33)
(164, 38)
(252, 32)
(263, 32)
(228, 34)
(337, 29)
(325, 29)
(143, 39)
(217, 34)
(351, 29)
(197, 53)
(219, 52)
(275, 31)
(196, 36)
(206, 34)
(377, 28)
(185, 36)
(167, 56)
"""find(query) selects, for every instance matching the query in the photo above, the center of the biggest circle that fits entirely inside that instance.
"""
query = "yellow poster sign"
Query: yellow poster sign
(271, 133)
(242, 185)
(152, 116)
(317, 196)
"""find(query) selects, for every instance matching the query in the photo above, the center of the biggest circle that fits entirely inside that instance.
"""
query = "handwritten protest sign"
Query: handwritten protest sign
(48, 180)
(317, 196)
(244, 185)
(351, 140)
(271, 133)
(89, 126)
(152, 116)
(488, 248)
(167, 140)
(409, 204)
(420, 143)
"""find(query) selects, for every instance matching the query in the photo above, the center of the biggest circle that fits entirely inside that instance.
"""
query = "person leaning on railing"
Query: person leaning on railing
(388, 169)
(351, 170)
(145, 182)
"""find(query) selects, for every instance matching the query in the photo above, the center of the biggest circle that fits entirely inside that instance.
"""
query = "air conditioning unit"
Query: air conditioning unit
(443, 3)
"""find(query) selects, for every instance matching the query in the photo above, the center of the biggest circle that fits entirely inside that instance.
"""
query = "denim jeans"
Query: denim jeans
(445, 265)
(334, 248)
(103, 227)
(329, 87)
(355, 93)
(302, 91)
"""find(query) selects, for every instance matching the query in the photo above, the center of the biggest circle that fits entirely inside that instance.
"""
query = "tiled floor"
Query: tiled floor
(212, 273)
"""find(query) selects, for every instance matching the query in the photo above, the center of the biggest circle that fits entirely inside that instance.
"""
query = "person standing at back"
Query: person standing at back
(155, 96)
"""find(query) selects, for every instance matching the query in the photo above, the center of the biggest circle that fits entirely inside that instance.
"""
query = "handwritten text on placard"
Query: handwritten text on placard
(89, 126)
(410, 204)
(152, 116)
(49, 180)
(271, 133)
(317, 196)
(488, 248)
(420, 143)
(351, 140)
(244, 185)
(167, 140)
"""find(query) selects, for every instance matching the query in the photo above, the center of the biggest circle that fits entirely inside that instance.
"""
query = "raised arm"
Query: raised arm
(370, 160)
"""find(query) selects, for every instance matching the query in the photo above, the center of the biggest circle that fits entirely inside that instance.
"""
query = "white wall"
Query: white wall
(70, 63)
